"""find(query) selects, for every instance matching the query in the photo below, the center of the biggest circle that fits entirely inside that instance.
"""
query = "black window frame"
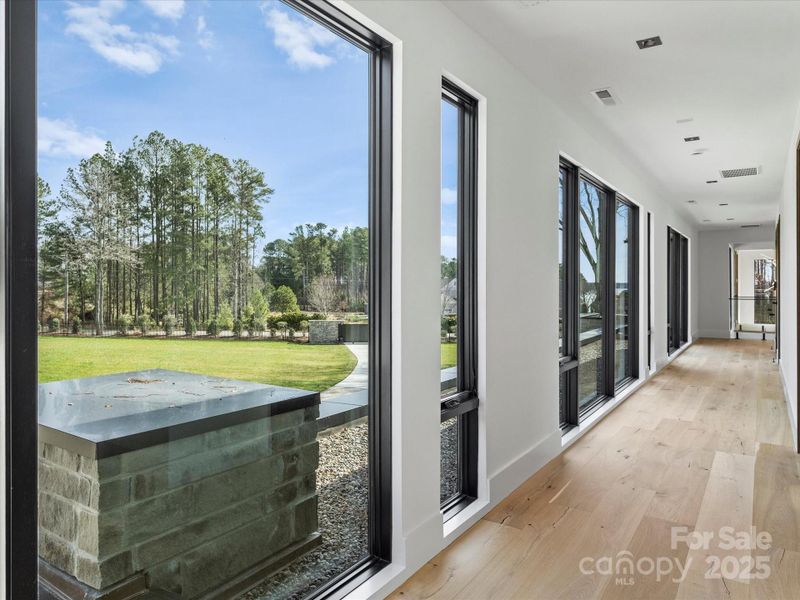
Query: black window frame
(677, 290)
(633, 287)
(570, 413)
(463, 403)
(20, 263)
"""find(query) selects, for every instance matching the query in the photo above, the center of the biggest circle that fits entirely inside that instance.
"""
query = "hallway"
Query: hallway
(704, 445)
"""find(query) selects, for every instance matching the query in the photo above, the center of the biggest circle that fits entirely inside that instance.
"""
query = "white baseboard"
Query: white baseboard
(789, 408)
(721, 334)
(515, 473)
(663, 362)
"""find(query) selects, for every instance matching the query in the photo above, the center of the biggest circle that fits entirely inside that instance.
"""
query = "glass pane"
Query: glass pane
(449, 248)
(764, 291)
(203, 239)
(622, 294)
(590, 290)
(449, 460)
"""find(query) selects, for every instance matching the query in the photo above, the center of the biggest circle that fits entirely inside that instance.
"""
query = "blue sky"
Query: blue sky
(247, 79)
(449, 179)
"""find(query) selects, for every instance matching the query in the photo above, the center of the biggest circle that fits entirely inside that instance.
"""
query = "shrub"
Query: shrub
(237, 328)
(124, 324)
(144, 323)
(169, 324)
(273, 332)
(290, 333)
(293, 319)
(304, 327)
(55, 323)
(281, 326)
(76, 325)
(283, 299)
(190, 327)
(225, 317)
(212, 328)
(259, 304)
(255, 325)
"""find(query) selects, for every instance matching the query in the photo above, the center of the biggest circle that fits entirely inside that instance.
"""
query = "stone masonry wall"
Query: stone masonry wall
(191, 514)
(323, 332)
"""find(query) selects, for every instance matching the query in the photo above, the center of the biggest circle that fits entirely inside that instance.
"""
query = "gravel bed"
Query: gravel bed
(342, 485)
(449, 460)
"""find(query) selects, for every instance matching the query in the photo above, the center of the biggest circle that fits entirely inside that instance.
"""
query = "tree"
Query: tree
(181, 237)
(225, 317)
(449, 268)
(323, 294)
(91, 196)
(284, 300)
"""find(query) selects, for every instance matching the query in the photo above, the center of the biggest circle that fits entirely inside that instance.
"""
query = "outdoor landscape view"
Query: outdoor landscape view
(203, 204)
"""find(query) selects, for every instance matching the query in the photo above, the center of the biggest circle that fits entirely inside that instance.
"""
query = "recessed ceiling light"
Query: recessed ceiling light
(650, 42)
(723, 204)
(694, 138)
(712, 181)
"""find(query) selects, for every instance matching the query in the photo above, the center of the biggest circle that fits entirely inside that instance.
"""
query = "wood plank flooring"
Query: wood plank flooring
(704, 446)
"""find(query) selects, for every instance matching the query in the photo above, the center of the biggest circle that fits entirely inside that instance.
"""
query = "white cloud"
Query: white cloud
(63, 138)
(118, 43)
(301, 40)
(205, 37)
(449, 195)
(449, 246)
(166, 9)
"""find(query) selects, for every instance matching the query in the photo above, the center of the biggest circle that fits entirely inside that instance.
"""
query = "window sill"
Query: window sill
(571, 435)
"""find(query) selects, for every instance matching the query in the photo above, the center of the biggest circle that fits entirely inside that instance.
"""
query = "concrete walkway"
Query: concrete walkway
(358, 379)
(347, 400)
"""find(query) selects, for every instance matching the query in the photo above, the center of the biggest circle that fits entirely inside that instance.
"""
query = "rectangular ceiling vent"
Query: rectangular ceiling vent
(749, 226)
(605, 97)
(728, 173)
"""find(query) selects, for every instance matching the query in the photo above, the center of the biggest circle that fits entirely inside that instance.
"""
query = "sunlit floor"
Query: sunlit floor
(689, 489)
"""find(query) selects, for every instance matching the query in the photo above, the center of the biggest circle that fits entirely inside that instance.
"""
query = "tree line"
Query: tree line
(171, 229)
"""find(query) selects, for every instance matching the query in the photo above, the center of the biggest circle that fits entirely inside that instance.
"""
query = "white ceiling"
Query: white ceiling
(732, 67)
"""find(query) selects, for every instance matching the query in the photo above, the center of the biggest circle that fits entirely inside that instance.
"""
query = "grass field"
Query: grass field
(448, 355)
(280, 363)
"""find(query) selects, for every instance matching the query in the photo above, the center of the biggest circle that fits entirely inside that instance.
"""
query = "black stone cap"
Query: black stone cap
(112, 414)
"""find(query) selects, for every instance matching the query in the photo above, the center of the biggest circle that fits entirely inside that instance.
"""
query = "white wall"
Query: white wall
(788, 276)
(523, 136)
(714, 289)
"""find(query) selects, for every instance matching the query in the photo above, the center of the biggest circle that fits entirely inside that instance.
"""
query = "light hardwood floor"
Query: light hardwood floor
(704, 445)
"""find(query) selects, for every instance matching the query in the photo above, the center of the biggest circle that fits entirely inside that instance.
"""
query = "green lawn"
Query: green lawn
(279, 363)
(448, 355)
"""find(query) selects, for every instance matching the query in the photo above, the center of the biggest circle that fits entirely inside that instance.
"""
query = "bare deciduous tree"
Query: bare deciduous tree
(323, 293)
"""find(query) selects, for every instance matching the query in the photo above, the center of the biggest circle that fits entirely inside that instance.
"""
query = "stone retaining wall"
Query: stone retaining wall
(323, 332)
(190, 514)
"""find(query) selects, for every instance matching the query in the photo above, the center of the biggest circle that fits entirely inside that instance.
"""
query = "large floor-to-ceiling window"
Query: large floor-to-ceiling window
(211, 295)
(677, 290)
(598, 292)
(458, 293)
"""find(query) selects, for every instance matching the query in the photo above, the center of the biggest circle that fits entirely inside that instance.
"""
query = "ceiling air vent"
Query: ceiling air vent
(604, 96)
(749, 226)
(728, 173)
